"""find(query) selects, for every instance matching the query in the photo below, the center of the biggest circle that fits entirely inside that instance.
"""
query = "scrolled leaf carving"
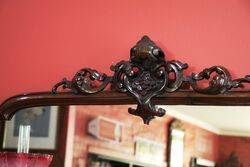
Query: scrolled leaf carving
(219, 83)
(84, 81)
(239, 83)
(177, 68)
(120, 69)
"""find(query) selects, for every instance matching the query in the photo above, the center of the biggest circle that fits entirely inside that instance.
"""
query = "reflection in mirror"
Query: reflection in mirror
(106, 135)
(23, 139)
(176, 143)
(32, 130)
(214, 135)
(109, 136)
(43, 127)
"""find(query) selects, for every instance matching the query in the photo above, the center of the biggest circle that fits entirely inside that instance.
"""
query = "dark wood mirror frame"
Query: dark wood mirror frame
(13, 104)
(147, 75)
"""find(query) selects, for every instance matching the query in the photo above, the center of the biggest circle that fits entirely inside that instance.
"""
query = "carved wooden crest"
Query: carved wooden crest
(147, 74)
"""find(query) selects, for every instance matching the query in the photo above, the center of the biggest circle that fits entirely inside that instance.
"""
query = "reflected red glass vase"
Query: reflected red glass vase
(13, 159)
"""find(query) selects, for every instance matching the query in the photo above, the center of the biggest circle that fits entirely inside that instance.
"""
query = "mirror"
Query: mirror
(106, 135)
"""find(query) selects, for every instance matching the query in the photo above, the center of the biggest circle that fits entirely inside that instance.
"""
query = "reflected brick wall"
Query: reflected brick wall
(198, 142)
(133, 126)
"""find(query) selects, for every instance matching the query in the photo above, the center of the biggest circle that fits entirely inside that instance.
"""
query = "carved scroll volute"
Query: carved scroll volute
(84, 82)
(219, 83)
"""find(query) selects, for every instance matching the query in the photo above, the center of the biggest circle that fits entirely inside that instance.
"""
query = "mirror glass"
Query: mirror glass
(107, 136)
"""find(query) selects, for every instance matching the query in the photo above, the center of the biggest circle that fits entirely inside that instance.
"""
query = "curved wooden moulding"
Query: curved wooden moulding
(15, 103)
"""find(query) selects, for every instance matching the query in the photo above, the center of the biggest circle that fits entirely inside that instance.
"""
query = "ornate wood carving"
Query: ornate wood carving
(147, 74)
(221, 82)
(85, 81)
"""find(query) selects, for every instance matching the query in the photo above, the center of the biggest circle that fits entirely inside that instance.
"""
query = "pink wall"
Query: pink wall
(42, 41)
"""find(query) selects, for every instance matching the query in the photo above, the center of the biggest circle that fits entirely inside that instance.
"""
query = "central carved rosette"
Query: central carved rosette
(144, 86)
(145, 83)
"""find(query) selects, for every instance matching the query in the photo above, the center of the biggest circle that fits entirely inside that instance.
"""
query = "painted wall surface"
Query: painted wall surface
(42, 41)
